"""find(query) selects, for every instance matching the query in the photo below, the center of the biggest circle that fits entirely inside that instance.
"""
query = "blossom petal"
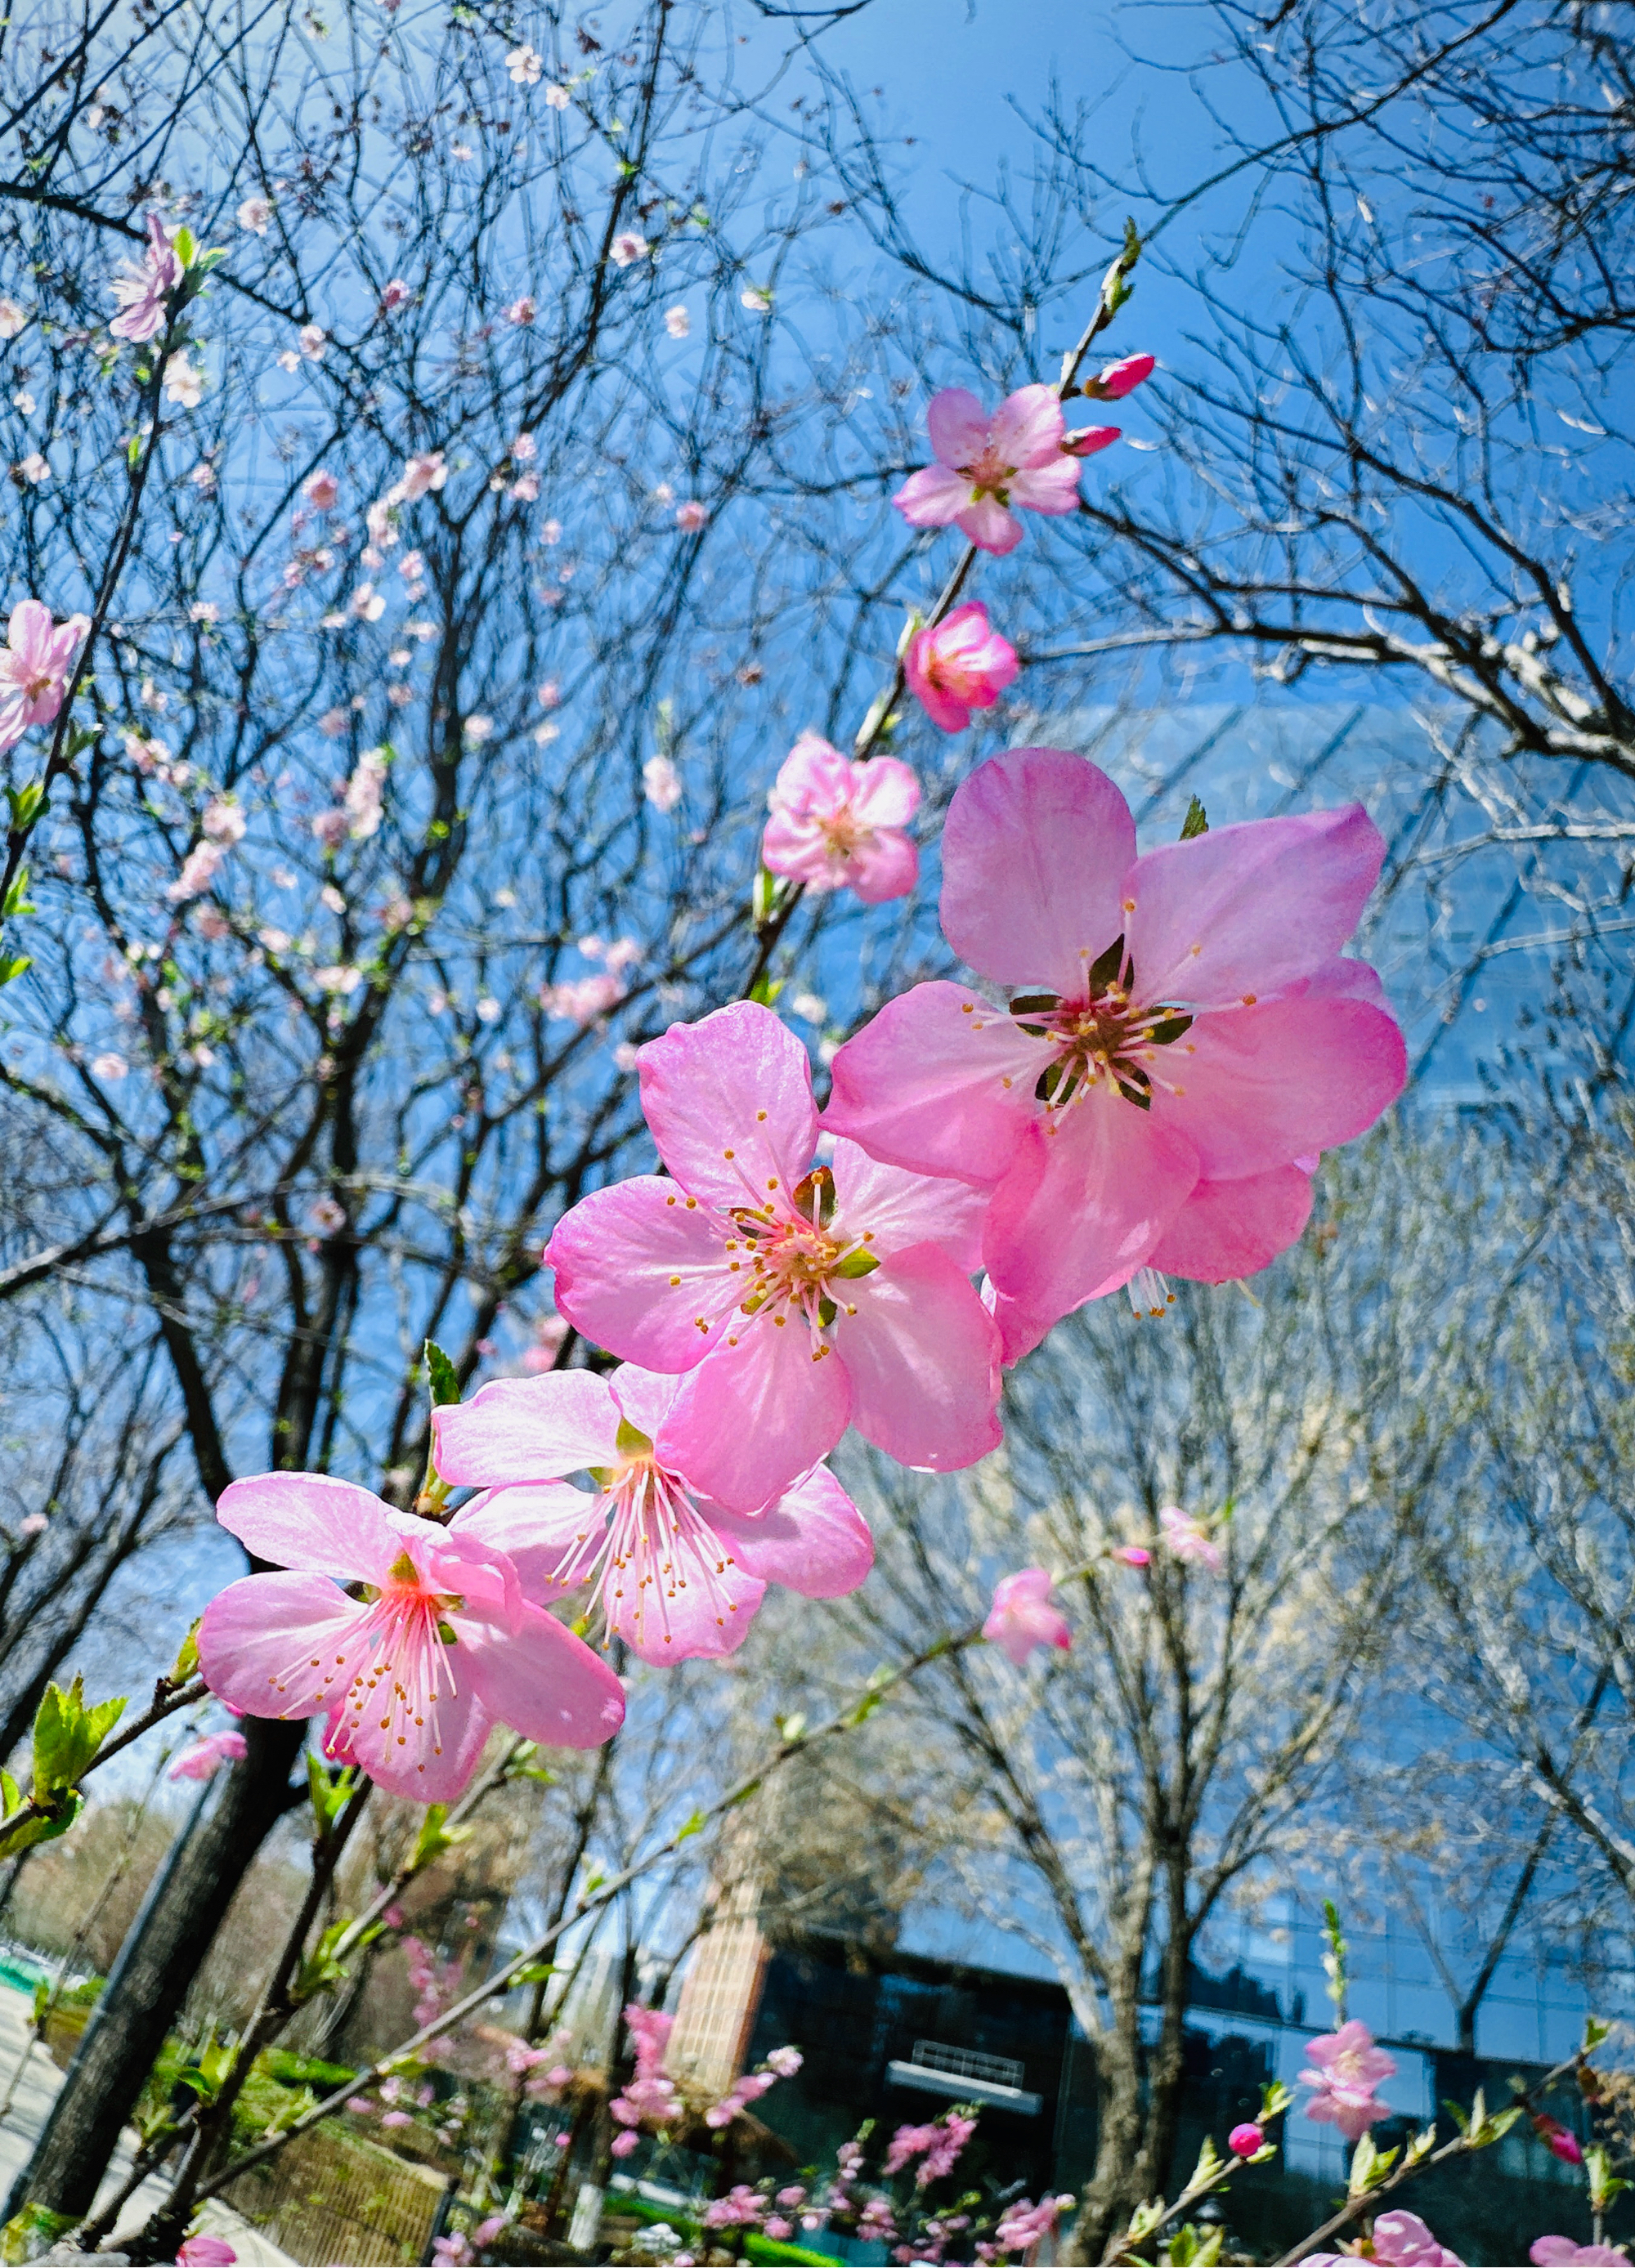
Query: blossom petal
(1053, 488)
(1026, 427)
(644, 1396)
(899, 1208)
(985, 522)
(616, 1253)
(280, 1646)
(1230, 1229)
(939, 1082)
(543, 1682)
(528, 1429)
(729, 1101)
(1078, 1216)
(814, 1540)
(1036, 846)
(323, 1527)
(437, 1775)
(923, 1356)
(535, 1525)
(934, 496)
(691, 1608)
(751, 1420)
(1249, 908)
(1264, 1086)
(958, 425)
(887, 867)
(884, 792)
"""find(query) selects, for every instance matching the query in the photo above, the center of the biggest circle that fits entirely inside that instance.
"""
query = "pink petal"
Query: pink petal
(958, 426)
(1231, 1229)
(887, 867)
(534, 1525)
(750, 1421)
(1249, 908)
(884, 792)
(985, 522)
(644, 1396)
(923, 1356)
(1265, 1084)
(1053, 488)
(814, 1540)
(814, 777)
(439, 1772)
(528, 1429)
(544, 1683)
(939, 1082)
(934, 496)
(696, 1608)
(308, 1521)
(1027, 426)
(614, 1254)
(1035, 849)
(1078, 1216)
(729, 1101)
(1020, 1330)
(900, 1209)
(940, 704)
(280, 1646)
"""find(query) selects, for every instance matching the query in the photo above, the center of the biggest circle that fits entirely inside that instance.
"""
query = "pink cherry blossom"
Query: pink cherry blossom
(1022, 2225)
(206, 2252)
(313, 339)
(422, 475)
(1562, 2252)
(207, 1756)
(13, 318)
(677, 1575)
(1346, 2066)
(986, 464)
(838, 825)
(36, 663)
(691, 516)
(557, 97)
(1559, 2141)
(199, 869)
(1022, 1617)
(798, 1298)
(254, 215)
(1244, 2140)
(1117, 379)
(740, 2208)
(521, 312)
(142, 290)
(581, 999)
(627, 247)
(661, 782)
(785, 2063)
(1403, 2240)
(677, 322)
(412, 1675)
(1182, 1037)
(1132, 1555)
(525, 65)
(394, 294)
(958, 665)
(322, 490)
(1187, 1540)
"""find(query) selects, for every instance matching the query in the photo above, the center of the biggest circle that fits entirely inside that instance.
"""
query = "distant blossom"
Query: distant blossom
(522, 312)
(311, 340)
(627, 247)
(677, 322)
(321, 489)
(525, 65)
(691, 516)
(142, 289)
(958, 665)
(557, 97)
(661, 782)
(394, 294)
(12, 318)
(1187, 1539)
(839, 825)
(988, 461)
(207, 1756)
(1022, 1617)
(254, 215)
(35, 665)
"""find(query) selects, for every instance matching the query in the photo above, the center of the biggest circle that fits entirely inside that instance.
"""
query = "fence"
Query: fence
(333, 2195)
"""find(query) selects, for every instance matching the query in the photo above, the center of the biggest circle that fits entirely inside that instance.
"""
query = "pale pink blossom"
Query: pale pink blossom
(199, 869)
(798, 1298)
(1022, 1617)
(254, 215)
(627, 247)
(478, 729)
(402, 1701)
(206, 2252)
(109, 1066)
(142, 290)
(33, 1523)
(362, 800)
(332, 827)
(1187, 1539)
(1021, 2225)
(334, 723)
(549, 694)
(986, 464)
(623, 2143)
(556, 97)
(526, 489)
(35, 470)
(839, 825)
(677, 322)
(35, 665)
(207, 1756)
(740, 2208)
(783, 2063)
(1182, 1036)
(551, 533)
(691, 516)
(677, 1575)
(412, 567)
(661, 782)
(312, 339)
(524, 448)
(13, 318)
(422, 475)
(1562, 2252)
(1117, 379)
(522, 312)
(1344, 2067)
(183, 381)
(205, 611)
(396, 294)
(1403, 2240)
(224, 820)
(581, 999)
(958, 665)
(321, 489)
(525, 65)
(395, 2118)
(367, 603)
(757, 300)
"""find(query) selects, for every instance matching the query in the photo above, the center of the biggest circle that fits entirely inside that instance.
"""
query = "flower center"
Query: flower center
(844, 834)
(794, 1260)
(39, 685)
(647, 1544)
(989, 473)
(1109, 1037)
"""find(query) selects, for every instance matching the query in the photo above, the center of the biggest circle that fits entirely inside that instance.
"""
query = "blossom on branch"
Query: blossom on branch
(1023, 1618)
(986, 464)
(798, 1298)
(36, 663)
(1187, 1539)
(207, 1756)
(958, 665)
(839, 825)
(142, 289)
(1344, 2066)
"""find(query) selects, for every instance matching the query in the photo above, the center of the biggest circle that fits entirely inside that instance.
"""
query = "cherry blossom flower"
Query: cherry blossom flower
(1244, 2140)
(13, 318)
(986, 464)
(109, 1066)
(785, 2063)
(36, 663)
(677, 1575)
(661, 782)
(1185, 1037)
(691, 516)
(205, 611)
(199, 869)
(839, 825)
(1346, 2066)
(183, 381)
(414, 1670)
(958, 665)
(1022, 1617)
(707, 1272)
(1559, 2141)
(34, 1523)
(677, 322)
(557, 97)
(422, 475)
(756, 299)
(321, 489)
(394, 294)
(740, 2208)
(1187, 1540)
(1021, 2225)
(207, 1756)
(1562, 2252)
(254, 215)
(1403, 2240)
(461, 152)
(1117, 379)
(311, 340)
(526, 66)
(521, 312)
(224, 820)
(478, 729)
(628, 248)
(581, 999)
(206, 2252)
(142, 290)
(34, 469)
(526, 489)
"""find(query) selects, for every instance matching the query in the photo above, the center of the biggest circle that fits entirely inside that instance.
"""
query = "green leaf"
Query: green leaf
(13, 964)
(1208, 2166)
(765, 989)
(692, 1826)
(10, 1795)
(763, 895)
(68, 1735)
(1594, 2032)
(187, 1662)
(331, 1790)
(17, 898)
(24, 803)
(185, 246)
(441, 1377)
(434, 1837)
(1195, 822)
(537, 1972)
(791, 1728)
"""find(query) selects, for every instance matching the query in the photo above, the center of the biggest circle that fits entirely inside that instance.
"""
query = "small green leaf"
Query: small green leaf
(185, 246)
(442, 1377)
(187, 1662)
(791, 1728)
(68, 1735)
(537, 1972)
(13, 964)
(692, 1826)
(1195, 822)
(24, 803)
(1594, 2032)
(765, 989)
(16, 900)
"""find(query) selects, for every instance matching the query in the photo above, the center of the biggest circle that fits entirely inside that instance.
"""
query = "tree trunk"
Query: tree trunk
(157, 1963)
(1114, 2188)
